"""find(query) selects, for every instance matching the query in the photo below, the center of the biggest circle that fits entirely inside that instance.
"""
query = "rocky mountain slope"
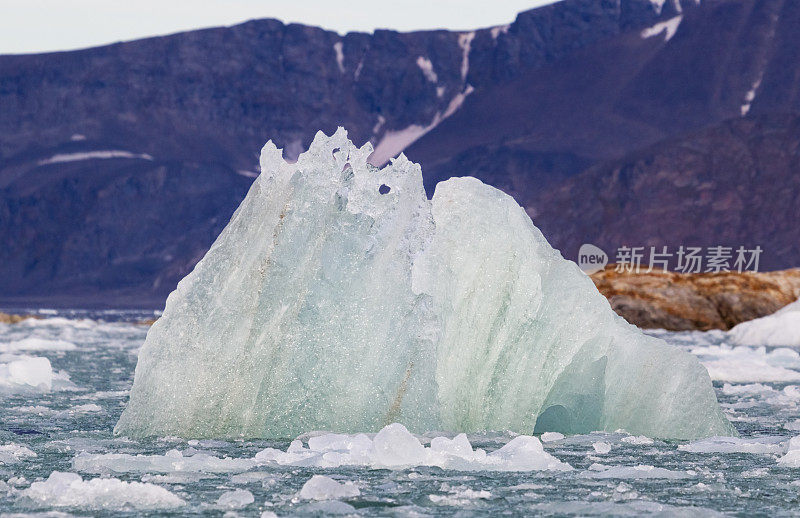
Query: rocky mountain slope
(120, 164)
(732, 184)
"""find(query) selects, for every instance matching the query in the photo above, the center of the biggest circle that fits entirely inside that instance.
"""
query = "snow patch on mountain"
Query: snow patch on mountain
(465, 42)
(394, 142)
(92, 155)
(658, 4)
(667, 27)
(500, 29)
(337, 49)
(426, 66)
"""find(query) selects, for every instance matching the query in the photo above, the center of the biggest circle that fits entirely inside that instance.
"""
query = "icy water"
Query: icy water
(58, 452)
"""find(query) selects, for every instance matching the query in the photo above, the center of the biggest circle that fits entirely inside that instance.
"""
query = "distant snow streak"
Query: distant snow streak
(465, 42)
(92, 155)
(750, 96)
(394, 142)
(426, 66)
(337, 49)
(659, 5)
(500, 29)
(670, 27)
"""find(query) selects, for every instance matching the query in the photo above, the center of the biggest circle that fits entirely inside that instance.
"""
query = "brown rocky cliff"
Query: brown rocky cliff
(701, 301)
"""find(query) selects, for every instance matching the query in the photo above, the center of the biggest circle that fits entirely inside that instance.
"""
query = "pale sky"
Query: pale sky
(46, 25)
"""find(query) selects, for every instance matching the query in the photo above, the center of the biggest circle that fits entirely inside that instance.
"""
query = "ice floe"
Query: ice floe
(34, 343)
(753, 445)
(70, 490)
(30, 373)
(749, 364)
(320, 487)
(394, 447)
(601, 447)
(792, 457)
(13, 453)
(551, 436)
(781, 328)
(236, 499)
(171, 462)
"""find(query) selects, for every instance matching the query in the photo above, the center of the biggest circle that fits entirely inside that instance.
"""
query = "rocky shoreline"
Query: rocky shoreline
(702, 301)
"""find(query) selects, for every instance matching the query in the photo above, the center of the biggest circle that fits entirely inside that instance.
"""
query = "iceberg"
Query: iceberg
(340, 298)
(781, 328)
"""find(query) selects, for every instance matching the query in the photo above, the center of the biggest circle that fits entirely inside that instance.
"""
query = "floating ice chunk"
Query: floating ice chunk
(525, 453)
(782, 328)
(755, 473)
(26, 372)
(13, 453)
(637, 440)
(70, 490)
(330, 302)
(320, 487)
(601, 447)
(792, 457)
(88, 444)
(757, 445)
(266, 479)
(175, 478)
(37, 344)
(85, 409)
(172, 461)
(788, 397)
(641, 471)
(749, 389)
(459, 497)
(552, 436)
(749, 364)
(394, 447)
(236, 499)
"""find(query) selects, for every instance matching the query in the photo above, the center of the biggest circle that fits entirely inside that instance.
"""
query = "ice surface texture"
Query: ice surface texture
(340, 298)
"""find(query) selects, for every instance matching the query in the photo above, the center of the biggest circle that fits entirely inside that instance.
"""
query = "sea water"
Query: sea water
(66, 382)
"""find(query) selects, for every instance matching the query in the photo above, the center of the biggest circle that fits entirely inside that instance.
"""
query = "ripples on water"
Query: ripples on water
(67, 429)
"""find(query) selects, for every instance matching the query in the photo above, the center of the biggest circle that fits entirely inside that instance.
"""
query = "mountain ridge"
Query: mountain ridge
(120, 164)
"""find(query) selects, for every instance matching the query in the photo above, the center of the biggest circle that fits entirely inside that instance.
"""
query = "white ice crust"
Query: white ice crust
(70, 490)
(782, 328)
(328, 303)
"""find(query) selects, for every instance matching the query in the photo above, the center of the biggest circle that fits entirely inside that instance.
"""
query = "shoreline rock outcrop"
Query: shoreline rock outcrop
(701, 301)
(6, 318)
